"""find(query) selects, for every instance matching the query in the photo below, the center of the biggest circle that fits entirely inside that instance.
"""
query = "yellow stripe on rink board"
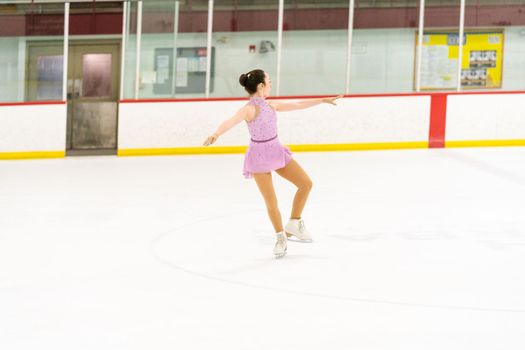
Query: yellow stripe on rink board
(358, 146)
(295, 148)
(484, 143)
(32, 155)
(180, 150)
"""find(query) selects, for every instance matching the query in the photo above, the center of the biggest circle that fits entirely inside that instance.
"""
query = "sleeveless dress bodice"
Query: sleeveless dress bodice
(265, 152)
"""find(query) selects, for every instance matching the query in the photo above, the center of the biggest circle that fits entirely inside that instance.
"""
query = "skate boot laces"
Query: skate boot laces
(301, 226)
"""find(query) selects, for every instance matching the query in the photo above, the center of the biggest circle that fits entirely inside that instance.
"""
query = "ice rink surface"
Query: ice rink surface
(413, 249)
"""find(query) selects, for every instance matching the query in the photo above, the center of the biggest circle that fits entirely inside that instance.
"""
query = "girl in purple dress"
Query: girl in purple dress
(266, 153)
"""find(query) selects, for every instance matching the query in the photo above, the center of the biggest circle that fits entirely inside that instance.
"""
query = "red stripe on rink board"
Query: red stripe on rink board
(32, 103)
(214, 99)
(438, 120)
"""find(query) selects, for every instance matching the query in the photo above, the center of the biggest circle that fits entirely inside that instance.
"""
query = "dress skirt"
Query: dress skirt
(264, 157)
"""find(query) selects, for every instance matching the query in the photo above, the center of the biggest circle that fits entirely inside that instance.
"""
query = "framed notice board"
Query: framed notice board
(481, 64)
(189, 68)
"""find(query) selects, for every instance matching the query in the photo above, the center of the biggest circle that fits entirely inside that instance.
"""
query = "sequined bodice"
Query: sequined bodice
(264, 126)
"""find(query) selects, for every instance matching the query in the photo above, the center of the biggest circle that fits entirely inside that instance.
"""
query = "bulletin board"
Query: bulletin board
(189, 67)
(481, 65)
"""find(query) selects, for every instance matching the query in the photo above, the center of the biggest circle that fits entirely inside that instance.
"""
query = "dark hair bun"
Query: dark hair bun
(251, 79)
(242, 79)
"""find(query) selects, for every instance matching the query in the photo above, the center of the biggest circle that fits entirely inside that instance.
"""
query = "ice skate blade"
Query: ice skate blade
(280, 256)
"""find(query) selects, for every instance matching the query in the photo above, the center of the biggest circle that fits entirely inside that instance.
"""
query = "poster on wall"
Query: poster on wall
(163, 71)
(481, 64)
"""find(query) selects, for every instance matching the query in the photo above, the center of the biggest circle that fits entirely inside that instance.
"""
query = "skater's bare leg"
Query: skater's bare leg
(265, 184)
(295, 174)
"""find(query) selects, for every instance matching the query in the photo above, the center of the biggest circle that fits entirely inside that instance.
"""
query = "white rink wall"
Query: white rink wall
(33, 128)
(358, 120)
(175, 124)
(485, 117)
(354, 120)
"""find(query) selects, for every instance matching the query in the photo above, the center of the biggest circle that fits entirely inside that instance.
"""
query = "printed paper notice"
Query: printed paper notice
(163, 69)
(182, 72)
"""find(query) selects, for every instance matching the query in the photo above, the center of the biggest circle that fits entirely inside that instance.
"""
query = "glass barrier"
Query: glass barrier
(173, 57)
(383, 46)
(314, 48)
(244, 38)
(172, 49)
(32, 52)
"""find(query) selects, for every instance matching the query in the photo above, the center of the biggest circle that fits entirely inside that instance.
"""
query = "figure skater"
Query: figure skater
(266, 154)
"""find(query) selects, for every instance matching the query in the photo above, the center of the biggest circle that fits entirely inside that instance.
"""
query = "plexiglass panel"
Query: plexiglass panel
(31, 52)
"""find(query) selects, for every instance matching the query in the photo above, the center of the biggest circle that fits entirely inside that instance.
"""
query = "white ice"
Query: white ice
(414, 249)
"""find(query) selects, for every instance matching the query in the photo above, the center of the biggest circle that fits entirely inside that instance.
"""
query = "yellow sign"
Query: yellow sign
(481, 64)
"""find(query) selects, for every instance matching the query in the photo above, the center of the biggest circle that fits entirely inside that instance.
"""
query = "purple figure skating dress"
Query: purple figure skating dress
(265, 152)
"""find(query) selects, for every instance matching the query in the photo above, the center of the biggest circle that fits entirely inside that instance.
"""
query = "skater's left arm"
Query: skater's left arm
(303, 104)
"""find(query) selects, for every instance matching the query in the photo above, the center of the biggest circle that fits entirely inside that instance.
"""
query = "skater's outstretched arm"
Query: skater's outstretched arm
(242, 114)
(303, 104)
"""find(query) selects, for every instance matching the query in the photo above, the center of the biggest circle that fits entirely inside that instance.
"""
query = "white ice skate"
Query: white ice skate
(280, 246)
(295, 227)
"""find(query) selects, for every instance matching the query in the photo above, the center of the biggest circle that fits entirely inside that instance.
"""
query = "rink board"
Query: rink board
(33, 130)
(357, 122)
